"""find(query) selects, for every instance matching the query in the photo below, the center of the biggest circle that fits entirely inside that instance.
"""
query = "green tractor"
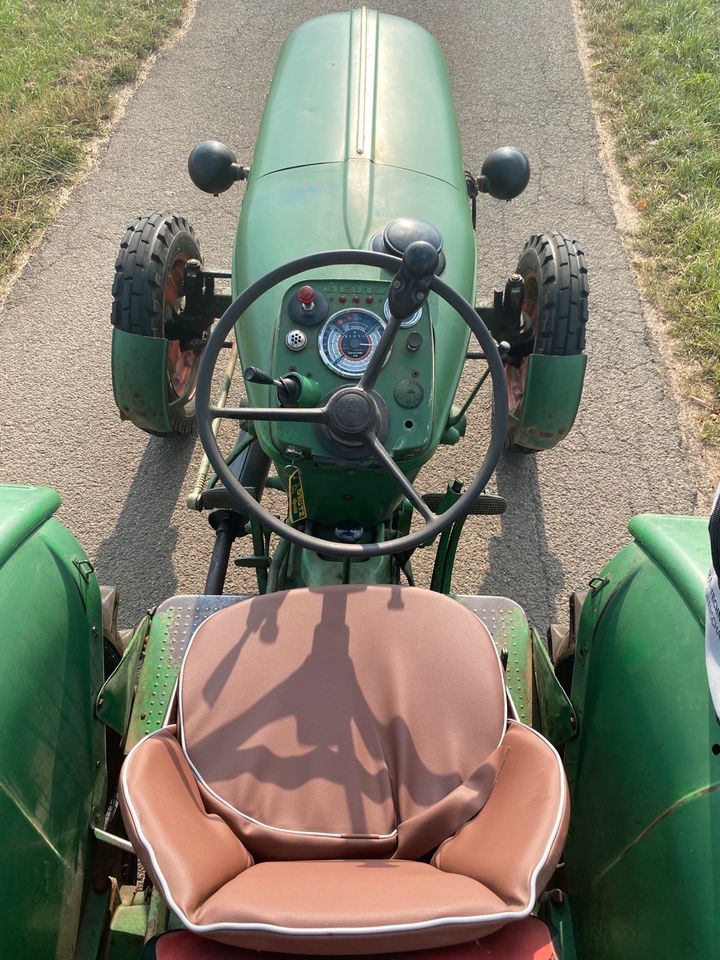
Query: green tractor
(344, 763)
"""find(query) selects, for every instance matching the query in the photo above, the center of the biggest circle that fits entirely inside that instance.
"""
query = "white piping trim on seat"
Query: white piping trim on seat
(348, 931)
(178, 693)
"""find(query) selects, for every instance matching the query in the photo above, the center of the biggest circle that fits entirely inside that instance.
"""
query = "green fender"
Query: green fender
(642, 861)
(139, 373)
(52, 749)
(550, 404)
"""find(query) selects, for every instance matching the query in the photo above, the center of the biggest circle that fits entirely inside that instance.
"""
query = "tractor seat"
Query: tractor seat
(343, 779)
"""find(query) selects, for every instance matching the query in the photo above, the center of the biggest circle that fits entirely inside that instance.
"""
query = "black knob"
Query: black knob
(255, 375)
(411, 284)
(505, 173)
(213, 167)
(288, 388)
(421, 258)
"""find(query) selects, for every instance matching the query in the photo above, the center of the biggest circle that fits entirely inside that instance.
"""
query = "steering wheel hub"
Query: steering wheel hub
(351, 412)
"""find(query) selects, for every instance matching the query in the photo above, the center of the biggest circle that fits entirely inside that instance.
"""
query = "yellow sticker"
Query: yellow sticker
(296, 497)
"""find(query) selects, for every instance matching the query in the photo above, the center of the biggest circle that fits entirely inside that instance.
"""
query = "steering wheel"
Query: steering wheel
(352, 413)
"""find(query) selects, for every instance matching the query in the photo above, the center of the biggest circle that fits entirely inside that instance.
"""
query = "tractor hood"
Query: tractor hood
(385, 99)
(358, 130)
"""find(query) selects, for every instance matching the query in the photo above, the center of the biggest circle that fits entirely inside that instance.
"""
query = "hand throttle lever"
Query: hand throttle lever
(288, 388)
(411, 284)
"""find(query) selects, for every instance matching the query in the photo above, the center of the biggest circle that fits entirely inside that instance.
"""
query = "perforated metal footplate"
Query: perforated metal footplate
(510, 631)
(173, 624)
(502, 616)
(178, 618)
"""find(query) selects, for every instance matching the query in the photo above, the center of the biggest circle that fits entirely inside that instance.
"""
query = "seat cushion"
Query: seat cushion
(346, 721)
(490, 872)
(301, 695)
(348, 907)
(515, 843)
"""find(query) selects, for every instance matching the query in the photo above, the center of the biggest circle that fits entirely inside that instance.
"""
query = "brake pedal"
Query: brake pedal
(485, 505)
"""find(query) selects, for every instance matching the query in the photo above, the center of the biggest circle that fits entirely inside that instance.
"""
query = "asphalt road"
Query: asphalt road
(517, 79)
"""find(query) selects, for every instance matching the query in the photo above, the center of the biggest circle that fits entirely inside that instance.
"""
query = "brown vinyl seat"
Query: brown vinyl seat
(343, 779)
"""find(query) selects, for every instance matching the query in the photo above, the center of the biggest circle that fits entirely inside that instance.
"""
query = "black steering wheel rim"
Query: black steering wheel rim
(204, 415)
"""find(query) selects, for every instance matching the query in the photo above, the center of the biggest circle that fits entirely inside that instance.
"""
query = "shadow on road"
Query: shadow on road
(137, 556)
(520, 563)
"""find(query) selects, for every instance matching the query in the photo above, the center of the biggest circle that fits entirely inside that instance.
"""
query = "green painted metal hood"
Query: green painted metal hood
(680, 546)
(22, 510)
(359, 129)
(385, 92)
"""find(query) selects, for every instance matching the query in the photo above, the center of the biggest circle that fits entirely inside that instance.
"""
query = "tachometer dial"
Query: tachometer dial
(347, 341)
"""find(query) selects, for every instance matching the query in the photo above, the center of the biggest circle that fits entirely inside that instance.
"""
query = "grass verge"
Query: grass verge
(656, 73)
(60, 63)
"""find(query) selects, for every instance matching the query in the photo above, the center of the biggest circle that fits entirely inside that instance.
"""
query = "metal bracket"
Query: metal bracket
(84, 568)
(202, 303)
(558, 720)
(104, 837)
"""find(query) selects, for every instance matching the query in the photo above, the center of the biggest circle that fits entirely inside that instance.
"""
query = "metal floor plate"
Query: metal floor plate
(503, 617)
(510, 631)
(177, 618)
(173, 624)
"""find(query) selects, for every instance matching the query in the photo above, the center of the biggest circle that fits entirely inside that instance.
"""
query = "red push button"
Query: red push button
(306, 296)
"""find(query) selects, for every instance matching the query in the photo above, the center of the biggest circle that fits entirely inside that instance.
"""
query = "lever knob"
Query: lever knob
(288, 388)
(411, 283)
(421, 259)
(255, 375)
(306, 296)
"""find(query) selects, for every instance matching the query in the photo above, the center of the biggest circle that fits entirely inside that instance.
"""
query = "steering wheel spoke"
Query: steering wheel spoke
(379, 354)
(285, 414)
(381, 454)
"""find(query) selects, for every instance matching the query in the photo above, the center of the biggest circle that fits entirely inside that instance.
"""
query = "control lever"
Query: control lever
(411, 284)
(288, 388)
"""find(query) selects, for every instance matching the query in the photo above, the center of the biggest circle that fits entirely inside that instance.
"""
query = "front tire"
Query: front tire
(148, 293)
(555, 299)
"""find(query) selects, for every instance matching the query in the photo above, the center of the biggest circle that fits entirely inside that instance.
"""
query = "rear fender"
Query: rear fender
(641, 858)
(52, 749)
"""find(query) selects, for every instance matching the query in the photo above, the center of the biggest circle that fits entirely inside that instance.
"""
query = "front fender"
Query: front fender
(550, 404)
(139, 366)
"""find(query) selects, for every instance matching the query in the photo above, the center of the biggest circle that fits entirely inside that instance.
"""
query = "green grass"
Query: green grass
(656, 73)
(60, 62)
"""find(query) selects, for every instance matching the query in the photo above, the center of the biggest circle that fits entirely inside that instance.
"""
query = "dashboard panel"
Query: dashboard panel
(328, 330)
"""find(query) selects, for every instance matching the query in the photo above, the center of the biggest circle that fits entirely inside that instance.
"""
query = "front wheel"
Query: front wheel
(555, 299)
(147, 297)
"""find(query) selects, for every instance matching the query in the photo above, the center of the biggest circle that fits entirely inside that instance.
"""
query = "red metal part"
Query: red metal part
(180, 362)
(306, 296)
(516, 375)
(527, 939)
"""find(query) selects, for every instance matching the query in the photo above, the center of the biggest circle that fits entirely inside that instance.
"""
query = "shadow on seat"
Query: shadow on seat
(343, 779)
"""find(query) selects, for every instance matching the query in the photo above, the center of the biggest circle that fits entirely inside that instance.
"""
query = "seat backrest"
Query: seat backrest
(343, 721)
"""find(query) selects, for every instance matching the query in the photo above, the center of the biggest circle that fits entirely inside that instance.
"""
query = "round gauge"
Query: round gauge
(347, 340)
(408, 321)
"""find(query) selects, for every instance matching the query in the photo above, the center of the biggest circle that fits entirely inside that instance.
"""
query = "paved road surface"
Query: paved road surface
(516, 79)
